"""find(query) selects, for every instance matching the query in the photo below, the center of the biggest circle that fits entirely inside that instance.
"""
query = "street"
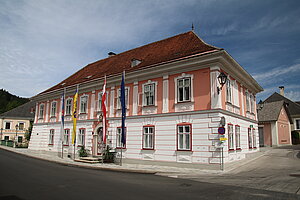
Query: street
(29, 179)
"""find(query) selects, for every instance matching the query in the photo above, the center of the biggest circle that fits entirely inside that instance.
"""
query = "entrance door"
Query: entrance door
(98, 145)
(261, 136)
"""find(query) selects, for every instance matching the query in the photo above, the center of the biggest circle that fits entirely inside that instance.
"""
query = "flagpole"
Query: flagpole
(62, 122)
(75, 124)
(123, 105)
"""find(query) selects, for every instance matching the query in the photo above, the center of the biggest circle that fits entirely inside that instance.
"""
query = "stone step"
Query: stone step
(91, 158)
(87, 161)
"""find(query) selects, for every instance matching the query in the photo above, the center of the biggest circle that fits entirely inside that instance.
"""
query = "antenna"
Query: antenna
(192, 26)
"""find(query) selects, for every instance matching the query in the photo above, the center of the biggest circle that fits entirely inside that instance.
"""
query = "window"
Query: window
(247, 102)
(184, 137)
(53, 109)
(184, 89)
(237, 137)
(66, 137)
(21, 125)
(20, 139)
(119, 98)
(100, 101)
(119, 138)
(250, 138)
(228, 91)
(230, 137)
(83, 104)
(69, 106)
(297, 124)
(252, 103)
(81, 137)
(148, 137)
(41, 111)
(7, 125)
(6, 138)
(149, 94)
(254, 138)
(51, 137)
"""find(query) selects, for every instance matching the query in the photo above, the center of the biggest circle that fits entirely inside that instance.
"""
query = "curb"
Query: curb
(123, 170)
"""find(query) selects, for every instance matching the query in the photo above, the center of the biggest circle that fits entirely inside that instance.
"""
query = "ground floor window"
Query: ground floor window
(184, 138)
(238, 137)
(119, 138)
(230, 137)
(81, 137)
(148, 137)
(254, 138)
(51, 136)
(6, 138)
(20, 139)
(66, 137)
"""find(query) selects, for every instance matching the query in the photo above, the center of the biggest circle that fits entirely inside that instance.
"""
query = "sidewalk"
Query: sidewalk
(171, 171)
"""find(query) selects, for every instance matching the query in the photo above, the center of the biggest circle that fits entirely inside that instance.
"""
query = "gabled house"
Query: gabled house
(293, 110)
(14, 123)
(175, 105)
(274, 124)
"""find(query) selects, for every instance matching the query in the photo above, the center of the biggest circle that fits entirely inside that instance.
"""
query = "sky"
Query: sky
(43, 42)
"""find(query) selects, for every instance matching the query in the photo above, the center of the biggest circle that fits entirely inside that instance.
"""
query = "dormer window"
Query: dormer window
(135, 62)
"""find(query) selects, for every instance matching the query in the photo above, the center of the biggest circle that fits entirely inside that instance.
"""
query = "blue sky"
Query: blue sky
(43, 42)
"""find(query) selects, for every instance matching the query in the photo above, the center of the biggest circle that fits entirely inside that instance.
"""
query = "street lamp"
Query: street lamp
(222, 78)
(17, 126)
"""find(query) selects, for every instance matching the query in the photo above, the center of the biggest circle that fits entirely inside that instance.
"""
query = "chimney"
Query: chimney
(281, 90)
(110, 54)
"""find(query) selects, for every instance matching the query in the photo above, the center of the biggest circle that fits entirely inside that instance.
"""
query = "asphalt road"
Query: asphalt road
(32, 179)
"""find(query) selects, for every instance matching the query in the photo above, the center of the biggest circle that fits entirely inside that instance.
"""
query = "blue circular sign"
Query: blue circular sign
(221, 130)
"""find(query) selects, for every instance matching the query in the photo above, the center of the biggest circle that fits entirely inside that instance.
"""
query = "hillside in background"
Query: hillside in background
(9, 101)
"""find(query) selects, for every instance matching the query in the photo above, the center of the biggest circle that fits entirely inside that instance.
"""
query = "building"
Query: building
(14, 123)
(174, 105)
(274, 123)
(285, 129)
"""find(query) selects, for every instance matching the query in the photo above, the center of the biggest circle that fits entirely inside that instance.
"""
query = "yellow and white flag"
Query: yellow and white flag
(74, 116)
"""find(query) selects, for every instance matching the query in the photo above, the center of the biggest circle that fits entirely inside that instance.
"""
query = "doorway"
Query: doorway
(98, 145)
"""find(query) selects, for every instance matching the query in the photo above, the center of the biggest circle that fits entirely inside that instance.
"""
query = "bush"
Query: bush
(82, 152)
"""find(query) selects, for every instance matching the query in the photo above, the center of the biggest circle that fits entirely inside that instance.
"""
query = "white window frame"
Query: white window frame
(20, 128)
(41, 111)
(251, 103)
(253, 138)
(297, 120)
(191, 91)
(238, 137)
(229, 91)
(66, 137)
(10, 123)
(230, 137)
(81, 137)
(51, 136)
(184, 138)
(247, 95)
(154, 86)
(84, 105)
(69, 103)
(126, 98)
(250, 138)
(148, 137)
(119, 137)
(53, 108)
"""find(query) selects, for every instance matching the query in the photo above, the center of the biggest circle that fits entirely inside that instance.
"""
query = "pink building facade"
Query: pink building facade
(173, 106)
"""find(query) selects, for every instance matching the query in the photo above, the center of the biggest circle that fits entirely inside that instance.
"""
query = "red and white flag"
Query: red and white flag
(104, 110)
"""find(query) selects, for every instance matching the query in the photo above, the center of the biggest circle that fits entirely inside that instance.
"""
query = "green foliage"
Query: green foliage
(9, 101)
(108, 155)
(28, 132)
(82, 152)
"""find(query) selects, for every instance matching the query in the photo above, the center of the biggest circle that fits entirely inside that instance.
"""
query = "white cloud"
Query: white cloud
(293, 95)
(277, 72)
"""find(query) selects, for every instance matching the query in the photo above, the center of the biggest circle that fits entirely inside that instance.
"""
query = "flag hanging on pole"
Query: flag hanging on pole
(104, 110)
(74, 116)
(123, 104)
(62, 116)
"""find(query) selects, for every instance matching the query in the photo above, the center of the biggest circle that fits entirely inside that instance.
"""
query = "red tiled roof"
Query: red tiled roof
(175, 47)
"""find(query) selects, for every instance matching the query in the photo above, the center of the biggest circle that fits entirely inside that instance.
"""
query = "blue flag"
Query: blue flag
(123, 105)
